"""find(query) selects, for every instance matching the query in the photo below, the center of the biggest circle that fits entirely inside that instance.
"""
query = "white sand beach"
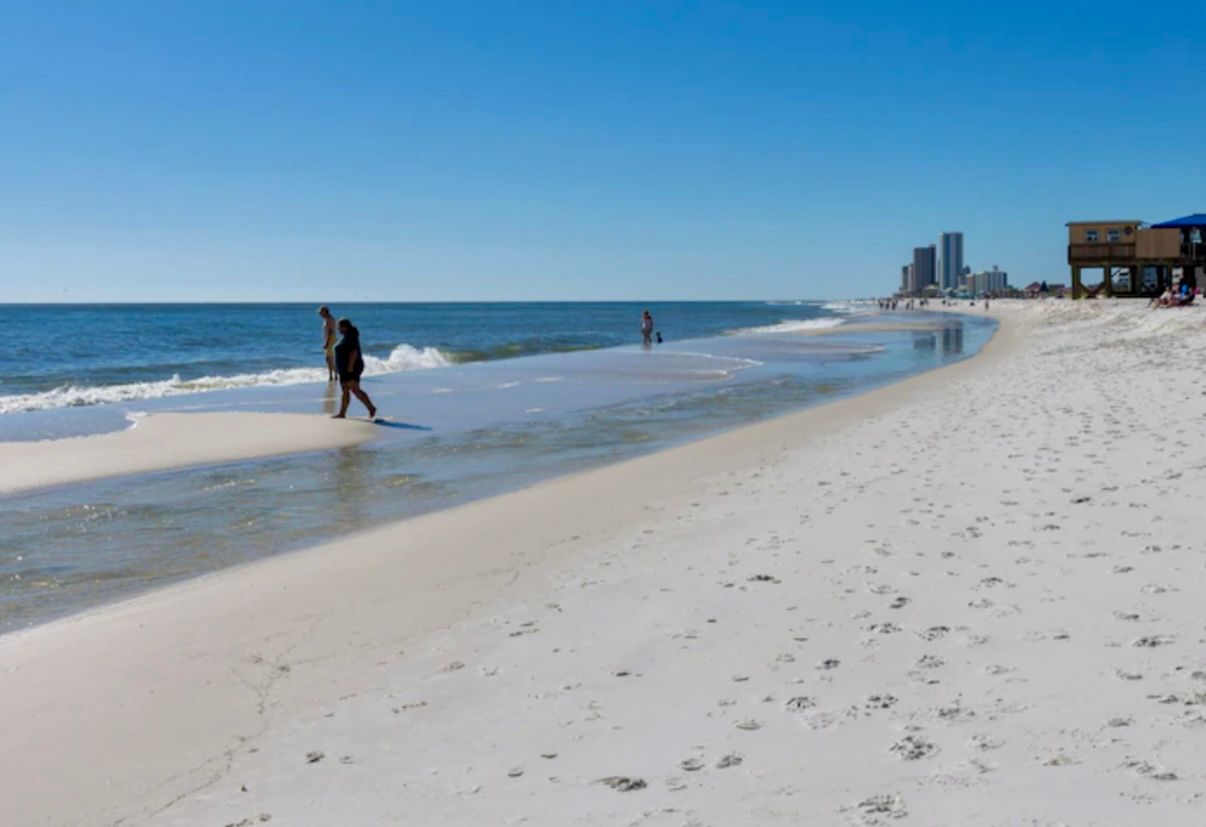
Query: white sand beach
(171, 440)
(971, 598)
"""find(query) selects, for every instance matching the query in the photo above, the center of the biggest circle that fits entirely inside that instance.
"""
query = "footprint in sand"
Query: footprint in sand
(890, 805)
(955, 712)
(934, 633)
(1152, 641)
(1146, 769)
(986, 742)
(799, 703)
(884, 701)
(913, 747)
(623, 784)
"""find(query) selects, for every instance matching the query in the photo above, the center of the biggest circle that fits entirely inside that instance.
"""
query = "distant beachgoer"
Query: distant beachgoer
(647, 328)
(328, 340)
(659, 337)
(986, 304)
(349, 362)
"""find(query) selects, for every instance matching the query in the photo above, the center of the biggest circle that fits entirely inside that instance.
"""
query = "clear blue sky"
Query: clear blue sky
(285, 150)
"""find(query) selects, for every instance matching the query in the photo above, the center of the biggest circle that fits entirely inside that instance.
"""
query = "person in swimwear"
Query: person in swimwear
(328, 340)
(349, 363)
(647, 328)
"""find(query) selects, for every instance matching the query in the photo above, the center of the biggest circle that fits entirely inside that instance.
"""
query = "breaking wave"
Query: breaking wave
(795, 326)
(850, 307)
(401, 358)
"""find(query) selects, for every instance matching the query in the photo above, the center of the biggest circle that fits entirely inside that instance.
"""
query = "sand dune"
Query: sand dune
(972, 598)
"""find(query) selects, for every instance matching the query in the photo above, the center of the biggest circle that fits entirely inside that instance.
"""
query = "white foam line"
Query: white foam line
(402, 358)
(795, 326)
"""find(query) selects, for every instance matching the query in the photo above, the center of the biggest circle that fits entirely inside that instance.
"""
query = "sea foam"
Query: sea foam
(401, 358)
(795, 326)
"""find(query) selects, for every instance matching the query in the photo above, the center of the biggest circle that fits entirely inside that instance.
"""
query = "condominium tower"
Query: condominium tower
(950, 261)
(923, 268)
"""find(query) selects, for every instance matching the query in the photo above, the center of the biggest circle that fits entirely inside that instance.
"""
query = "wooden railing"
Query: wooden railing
(1078, 253)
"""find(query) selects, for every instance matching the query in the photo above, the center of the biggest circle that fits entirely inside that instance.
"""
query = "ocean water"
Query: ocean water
(78, 355)
(480, 399)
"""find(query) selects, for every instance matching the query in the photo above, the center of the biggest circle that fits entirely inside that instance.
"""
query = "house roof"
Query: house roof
(1120, 221)
(1198, 219)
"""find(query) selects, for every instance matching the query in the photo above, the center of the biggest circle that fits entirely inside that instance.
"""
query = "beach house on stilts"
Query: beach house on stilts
(1135, 258)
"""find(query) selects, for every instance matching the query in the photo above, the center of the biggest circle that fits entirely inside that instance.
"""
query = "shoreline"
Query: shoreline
(167, 441)
(146, 659)
(176, 440)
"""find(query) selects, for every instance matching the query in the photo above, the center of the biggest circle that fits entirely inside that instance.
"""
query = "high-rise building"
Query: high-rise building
(950, 260)
(924, 261)
(904, 277)
(989, 281)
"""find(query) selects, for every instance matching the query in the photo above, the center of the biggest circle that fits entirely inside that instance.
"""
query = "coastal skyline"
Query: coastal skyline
(281, 152)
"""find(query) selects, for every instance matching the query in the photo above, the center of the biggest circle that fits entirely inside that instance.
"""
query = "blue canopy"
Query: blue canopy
(1198, 219)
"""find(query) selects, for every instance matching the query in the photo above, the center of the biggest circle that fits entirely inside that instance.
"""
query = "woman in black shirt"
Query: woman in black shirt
(349, 363)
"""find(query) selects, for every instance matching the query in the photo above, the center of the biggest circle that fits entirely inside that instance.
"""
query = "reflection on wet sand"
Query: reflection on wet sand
(948, 341)
(876, 327)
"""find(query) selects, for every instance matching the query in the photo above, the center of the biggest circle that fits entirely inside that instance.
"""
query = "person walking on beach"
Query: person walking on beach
(328, 340)
(647, 328)
(349, 362)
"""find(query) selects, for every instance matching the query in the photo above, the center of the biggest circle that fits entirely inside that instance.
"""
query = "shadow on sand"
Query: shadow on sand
(406, 426)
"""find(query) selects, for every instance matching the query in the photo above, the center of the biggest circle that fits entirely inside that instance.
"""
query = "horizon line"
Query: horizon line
(318, 302)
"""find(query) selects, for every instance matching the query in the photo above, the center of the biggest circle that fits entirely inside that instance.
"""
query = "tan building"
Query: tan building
(1135, 259)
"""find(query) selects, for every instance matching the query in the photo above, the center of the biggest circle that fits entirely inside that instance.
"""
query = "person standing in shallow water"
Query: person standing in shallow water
(349, 362)
(647, 328)
(328, 340)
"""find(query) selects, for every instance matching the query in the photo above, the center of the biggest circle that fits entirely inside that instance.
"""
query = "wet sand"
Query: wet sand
(171, 440)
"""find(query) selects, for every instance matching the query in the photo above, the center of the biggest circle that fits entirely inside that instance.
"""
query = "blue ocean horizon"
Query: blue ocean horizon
(113, 353)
